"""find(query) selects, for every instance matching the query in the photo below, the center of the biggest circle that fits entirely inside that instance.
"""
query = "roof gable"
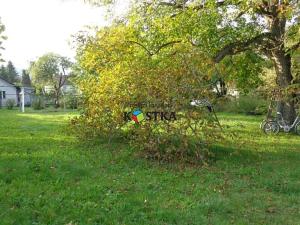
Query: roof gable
(10, 84)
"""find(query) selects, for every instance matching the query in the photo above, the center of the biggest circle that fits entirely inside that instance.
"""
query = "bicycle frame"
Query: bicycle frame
(282, 123)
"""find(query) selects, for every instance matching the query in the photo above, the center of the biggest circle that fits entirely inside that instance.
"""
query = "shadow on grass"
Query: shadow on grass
(244, 155)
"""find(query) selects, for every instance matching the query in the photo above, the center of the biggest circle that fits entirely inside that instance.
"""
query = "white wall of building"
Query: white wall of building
(29, 95)
(66, 89)
(9, 90)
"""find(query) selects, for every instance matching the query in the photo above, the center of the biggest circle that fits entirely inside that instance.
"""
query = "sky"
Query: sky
(35, 27)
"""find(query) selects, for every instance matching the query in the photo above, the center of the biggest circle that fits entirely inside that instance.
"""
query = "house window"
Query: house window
(3, 95)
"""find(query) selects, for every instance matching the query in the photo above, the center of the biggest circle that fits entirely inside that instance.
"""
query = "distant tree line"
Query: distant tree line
(10, 74)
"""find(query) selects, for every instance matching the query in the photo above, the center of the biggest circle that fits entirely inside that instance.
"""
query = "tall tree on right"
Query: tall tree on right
(225, 28)
(279, 38)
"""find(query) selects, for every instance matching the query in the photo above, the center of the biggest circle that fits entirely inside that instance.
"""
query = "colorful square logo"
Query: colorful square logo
(137, 116)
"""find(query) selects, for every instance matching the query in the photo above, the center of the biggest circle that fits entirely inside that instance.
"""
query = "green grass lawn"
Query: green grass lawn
(47, 177)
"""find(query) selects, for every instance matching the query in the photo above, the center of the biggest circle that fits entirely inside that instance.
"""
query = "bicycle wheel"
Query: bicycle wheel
(297, 129)
(271, 127)
(262, 124)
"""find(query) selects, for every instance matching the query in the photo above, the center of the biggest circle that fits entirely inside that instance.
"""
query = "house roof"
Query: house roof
(1, 78)
(16, 86)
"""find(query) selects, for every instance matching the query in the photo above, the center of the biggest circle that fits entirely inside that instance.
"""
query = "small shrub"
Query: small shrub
(10, 103)
(72, 101)
(38, 103)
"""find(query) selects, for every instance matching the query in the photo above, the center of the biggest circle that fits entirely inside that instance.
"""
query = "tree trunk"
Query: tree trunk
(222, 90)
(56, 104)
(223, 87)
(282, 63)
(271, 44)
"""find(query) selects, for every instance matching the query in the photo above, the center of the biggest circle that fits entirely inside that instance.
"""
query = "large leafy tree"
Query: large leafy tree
(269, 28)
(119, 75)
(53, 70)
(277, 39)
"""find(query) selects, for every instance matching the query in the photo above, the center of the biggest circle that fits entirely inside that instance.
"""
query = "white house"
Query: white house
(231, 91)
(29, 95)
(8, 91)
(11, 91)
(68, 88)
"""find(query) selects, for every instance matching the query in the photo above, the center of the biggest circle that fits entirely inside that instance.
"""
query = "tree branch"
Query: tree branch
(237, 47)
(294, 47)
(141, 45)
(165, 45)
(59, 82)
(150, 53)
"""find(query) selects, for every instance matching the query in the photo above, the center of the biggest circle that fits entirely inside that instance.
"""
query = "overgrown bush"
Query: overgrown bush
(251, 104)
(121, 77)
(38, 103)
(10, 103)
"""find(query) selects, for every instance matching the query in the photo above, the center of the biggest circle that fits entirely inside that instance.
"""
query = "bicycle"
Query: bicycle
(274, 126)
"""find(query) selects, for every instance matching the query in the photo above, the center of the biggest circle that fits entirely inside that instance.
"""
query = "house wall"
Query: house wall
(10, 92)
(48, 89)
(68, 89)
(29, 95)
(230, 91)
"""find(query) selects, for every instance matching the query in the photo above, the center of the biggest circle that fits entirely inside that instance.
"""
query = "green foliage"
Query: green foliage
(3, 72)
(38, 103)
(10, 103)
(244, 71)
(157, 23)
(9, 73)
(100, 2)
(296, 66)
(51, 70)
(221, 28)
(12, 73)
(72, 101)
(251, 105)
